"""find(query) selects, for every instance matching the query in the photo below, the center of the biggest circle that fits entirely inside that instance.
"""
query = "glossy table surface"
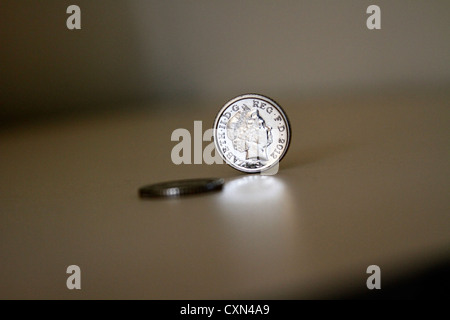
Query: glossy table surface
(365, 182)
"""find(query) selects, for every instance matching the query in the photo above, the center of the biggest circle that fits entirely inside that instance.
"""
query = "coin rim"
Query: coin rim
(157, 190)
(246, 96)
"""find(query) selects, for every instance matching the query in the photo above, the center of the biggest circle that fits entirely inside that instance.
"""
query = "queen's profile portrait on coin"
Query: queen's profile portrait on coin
(249, 133)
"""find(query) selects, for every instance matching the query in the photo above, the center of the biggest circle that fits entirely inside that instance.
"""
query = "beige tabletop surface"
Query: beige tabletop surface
(365, 182)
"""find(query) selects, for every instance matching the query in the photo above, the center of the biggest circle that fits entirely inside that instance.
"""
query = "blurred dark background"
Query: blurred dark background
(134, 51)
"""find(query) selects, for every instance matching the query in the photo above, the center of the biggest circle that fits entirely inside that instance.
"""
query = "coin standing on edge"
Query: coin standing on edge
(251, 133)
(180, 188)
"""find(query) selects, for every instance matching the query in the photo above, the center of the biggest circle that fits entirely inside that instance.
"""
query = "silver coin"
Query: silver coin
(180, 188)
(251, 133)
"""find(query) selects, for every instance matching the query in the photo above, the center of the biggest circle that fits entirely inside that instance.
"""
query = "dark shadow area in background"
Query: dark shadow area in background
(48, 70)
(425, 284)
(428, 282)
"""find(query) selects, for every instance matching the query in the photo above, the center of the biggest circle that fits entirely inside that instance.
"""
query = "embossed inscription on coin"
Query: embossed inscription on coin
(252, 133)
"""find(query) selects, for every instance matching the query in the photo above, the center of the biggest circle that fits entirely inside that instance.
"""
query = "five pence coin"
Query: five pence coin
(251, 133)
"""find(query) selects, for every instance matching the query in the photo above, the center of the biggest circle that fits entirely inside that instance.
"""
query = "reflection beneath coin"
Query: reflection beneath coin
(256, 193)
(262, 226)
